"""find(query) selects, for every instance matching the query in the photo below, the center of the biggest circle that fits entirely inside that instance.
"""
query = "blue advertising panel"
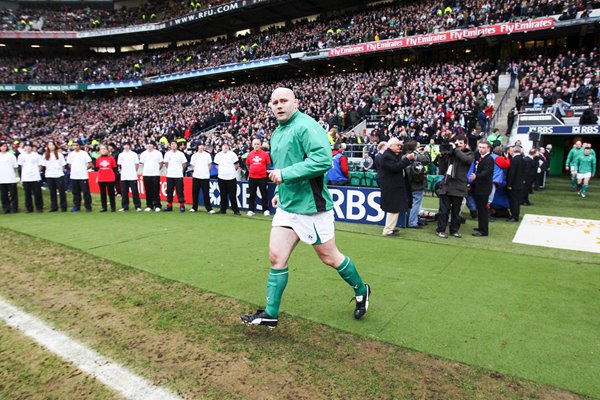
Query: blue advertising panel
(560, 130)
(350, 204)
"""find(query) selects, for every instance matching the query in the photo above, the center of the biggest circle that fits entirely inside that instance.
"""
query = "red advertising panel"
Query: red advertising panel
(444, 37)
(187, 187)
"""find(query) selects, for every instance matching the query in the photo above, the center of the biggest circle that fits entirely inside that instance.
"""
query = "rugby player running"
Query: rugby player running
(301, 157)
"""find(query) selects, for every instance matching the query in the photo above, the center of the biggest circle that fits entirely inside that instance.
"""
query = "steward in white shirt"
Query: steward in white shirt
(151, 161)
(128, 162)
(30, 163)
(79, 162)
(176, 163)
(54, 163)
(201, 162)
(8, 180)
(227, 163)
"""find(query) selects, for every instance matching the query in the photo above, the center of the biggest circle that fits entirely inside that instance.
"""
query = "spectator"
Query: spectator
(79, 162)
(151, 161)
(515, 183)
(128, 162)
(106, 166)
(201, 162)
(54, 163)
(338, 174)
(8, 180)
(30, 163)
(531, 167)
(395, 196)
(175, 162)
(482, 186)
(227, 163)
(258, 162)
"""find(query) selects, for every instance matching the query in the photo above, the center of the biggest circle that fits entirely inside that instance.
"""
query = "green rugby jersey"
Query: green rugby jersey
(300, 148)
(584, 164)
(572, 156)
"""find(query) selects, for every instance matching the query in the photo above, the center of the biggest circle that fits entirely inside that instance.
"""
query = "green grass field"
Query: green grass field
(524, 311)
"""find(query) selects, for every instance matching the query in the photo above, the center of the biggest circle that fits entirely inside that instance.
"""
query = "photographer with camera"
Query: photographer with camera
(418, 181)
(454, 162)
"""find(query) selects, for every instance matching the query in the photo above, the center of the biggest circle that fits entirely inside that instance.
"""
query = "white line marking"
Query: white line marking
(115, 376)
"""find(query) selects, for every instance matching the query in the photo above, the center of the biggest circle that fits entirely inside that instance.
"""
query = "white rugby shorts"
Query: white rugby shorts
(584, 176)
(312, 229)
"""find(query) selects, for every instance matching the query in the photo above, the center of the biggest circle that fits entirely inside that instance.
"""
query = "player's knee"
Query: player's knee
(276, 259)
(333, 259)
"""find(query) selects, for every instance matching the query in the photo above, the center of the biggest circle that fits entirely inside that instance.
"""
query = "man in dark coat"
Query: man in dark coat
(531, 166)
(454, 166)
(395, 194)
(482, 185)
(515, 182)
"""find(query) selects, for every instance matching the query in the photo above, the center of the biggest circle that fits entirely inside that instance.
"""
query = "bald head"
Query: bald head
(283, 104)
(282, 91)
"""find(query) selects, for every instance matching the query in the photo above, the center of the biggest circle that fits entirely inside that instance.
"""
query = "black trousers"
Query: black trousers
(10, 198)
(117, 183)
(449, 207)
(125, 186)
(33, 192)
(514, 200)
(107, 187)
(177, 184)
(527, 190)
(261, 184)
(228, 191)
(80, 186)
(204, 185)
(54, 185)
(152, 185)
(482, 213)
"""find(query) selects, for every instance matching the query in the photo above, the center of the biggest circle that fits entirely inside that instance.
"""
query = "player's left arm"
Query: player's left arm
(317, 161)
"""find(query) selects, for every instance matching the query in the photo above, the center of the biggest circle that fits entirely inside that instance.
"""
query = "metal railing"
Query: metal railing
(498, 112)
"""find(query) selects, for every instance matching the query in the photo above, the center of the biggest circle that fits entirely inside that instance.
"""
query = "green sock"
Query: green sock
(275, 286)
(574, 183)
(348, 272)
(584, 189)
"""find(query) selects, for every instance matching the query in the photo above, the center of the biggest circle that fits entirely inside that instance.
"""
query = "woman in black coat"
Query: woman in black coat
(395, 192)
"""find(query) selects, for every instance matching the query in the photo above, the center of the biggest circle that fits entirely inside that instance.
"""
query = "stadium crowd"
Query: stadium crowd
(420, 102)
(82, 19)
(571, 78)
(374, 23)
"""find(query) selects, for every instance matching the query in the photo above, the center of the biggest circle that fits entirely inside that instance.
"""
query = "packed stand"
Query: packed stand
(425, 103)
(572, 78)
(69, 19)
(374, 23)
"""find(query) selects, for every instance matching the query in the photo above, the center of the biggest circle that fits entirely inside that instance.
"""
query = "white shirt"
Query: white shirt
(30, 167)
(128, 160)
(54, 166)
(226, 162)
(8, 163)
(201, 163)
(175, 161)
(78, 160)
(151, 161)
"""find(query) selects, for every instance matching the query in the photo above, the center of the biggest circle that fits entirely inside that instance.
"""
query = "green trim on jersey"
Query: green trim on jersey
(301, 150)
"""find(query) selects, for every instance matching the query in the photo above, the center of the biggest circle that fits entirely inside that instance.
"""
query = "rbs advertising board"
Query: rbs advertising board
(350, 204)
